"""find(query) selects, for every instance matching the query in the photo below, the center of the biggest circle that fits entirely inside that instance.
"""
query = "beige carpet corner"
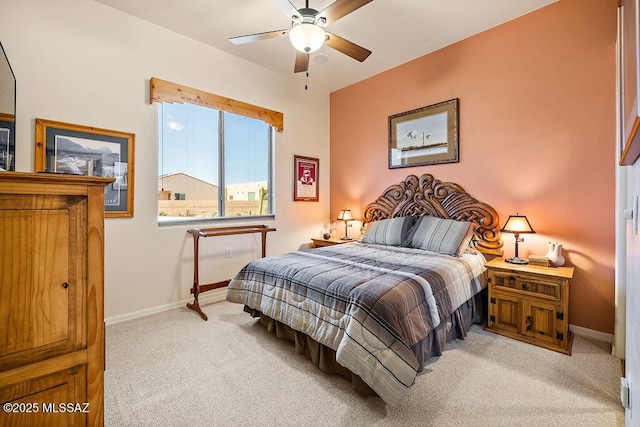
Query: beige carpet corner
(174, 369)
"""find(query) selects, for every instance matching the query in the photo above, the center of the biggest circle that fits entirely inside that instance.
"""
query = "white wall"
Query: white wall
(78, 61)
(6, 81)
(633, 304)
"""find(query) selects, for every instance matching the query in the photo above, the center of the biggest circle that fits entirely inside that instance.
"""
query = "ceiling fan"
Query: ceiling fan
(307, 32)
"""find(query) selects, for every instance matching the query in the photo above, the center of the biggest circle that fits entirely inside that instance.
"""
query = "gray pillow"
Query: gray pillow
(391, 231)
(444, 236)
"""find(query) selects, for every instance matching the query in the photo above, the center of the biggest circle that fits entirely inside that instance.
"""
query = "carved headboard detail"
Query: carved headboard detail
(429, 196)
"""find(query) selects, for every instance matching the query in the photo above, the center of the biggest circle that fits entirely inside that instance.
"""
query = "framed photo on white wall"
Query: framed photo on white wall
(305, 179)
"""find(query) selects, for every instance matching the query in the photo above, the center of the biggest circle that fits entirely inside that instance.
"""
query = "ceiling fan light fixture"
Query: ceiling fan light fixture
(307, 37)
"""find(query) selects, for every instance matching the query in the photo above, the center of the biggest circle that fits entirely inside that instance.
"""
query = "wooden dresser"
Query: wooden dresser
(530, 303)
(51, 299)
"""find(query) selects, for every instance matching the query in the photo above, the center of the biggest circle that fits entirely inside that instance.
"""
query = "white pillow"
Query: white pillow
(390, 232)
(441, 235)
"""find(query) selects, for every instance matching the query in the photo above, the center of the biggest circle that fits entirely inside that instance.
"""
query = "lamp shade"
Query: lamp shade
(517, 224)
(307, 37)
(345, 215)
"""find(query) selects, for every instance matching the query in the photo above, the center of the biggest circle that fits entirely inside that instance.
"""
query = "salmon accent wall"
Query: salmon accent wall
(537, 136)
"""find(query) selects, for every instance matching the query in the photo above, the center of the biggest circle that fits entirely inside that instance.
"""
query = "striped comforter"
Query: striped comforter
(370, 303)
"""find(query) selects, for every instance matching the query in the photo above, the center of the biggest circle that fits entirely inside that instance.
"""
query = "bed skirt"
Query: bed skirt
(433, 345)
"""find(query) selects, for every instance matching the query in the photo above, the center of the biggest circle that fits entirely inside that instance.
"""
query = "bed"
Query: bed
(376, 310)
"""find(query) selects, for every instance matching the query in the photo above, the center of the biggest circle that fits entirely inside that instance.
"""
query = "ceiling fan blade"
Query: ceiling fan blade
(348, 48)
(287, 8)
(249, 38)
(302, 62)
(340, 8)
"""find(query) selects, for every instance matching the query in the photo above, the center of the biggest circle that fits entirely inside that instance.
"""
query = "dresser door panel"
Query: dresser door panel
(42, 398)
(39, 284)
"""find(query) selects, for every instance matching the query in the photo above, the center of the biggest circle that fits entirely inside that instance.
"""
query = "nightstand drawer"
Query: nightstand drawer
(526, 284)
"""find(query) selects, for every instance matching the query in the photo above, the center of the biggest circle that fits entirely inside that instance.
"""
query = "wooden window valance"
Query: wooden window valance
(164, 91)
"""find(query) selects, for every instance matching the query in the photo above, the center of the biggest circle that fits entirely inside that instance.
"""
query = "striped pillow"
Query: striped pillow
(444, 236)
(390, 232)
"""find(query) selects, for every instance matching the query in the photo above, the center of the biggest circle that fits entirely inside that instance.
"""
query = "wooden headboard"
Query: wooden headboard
(428, 196)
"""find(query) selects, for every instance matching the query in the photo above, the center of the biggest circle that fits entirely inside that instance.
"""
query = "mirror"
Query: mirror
(7, 114)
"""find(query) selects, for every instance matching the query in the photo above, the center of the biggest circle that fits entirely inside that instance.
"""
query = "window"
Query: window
(216, 164)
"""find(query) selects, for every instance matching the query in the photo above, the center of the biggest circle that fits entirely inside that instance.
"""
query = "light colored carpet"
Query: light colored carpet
(174, 369)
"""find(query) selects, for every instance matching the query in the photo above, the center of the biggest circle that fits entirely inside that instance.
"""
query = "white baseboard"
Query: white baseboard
(214, 295)
(590, 333)
(217, 295)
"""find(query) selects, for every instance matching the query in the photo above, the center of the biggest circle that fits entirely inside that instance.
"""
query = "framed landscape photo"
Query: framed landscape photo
(305, 179)
(83, 150)
(425, 136)
(7, 142)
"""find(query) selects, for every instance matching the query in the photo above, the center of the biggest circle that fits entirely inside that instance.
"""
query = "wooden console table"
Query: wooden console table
(197, 288)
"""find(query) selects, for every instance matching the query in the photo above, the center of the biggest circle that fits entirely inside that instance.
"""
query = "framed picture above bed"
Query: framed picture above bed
(83, 150)
(305, 179)
(424, 136)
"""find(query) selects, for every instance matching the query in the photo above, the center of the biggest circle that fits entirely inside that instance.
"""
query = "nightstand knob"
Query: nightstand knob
(529, 322)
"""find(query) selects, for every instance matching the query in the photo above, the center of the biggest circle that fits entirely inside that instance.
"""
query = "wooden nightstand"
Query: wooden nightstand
(530, 303)
(320, 242)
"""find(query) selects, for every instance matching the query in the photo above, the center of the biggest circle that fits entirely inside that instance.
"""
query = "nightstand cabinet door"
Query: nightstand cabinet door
(539, 320)
(504, 312)
(530, 304)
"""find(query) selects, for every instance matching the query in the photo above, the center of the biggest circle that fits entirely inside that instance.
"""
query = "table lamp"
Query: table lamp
(345, 215)
(517, 224)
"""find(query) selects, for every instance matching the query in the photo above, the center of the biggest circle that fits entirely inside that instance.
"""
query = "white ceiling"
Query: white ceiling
(396, 31)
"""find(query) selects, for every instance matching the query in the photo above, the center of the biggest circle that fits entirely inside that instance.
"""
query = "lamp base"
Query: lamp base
(345, 238)
(516, 260)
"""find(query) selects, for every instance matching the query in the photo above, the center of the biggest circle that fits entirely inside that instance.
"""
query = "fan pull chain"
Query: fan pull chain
(306, 80)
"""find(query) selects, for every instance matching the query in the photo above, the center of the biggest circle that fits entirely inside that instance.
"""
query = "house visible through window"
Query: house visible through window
(212, 164)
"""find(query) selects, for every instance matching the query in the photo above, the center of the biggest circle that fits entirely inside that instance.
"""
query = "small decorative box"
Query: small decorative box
(539, 260)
